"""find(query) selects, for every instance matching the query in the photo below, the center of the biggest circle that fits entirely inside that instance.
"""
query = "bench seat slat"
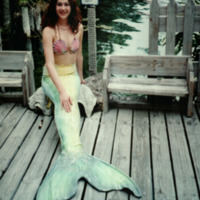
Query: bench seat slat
(14, 95)
(149, 81)
(10, 79)
(161, 90)
(10, 83)
(17, 75)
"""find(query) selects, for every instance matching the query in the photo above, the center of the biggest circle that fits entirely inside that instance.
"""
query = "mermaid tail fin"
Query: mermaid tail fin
(106, 177)
(62, 180)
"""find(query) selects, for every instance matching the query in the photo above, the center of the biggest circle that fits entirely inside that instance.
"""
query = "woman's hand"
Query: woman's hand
(65, 101)
(82, 81)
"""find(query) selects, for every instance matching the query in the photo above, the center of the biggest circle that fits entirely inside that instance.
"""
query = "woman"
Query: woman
(62, 76)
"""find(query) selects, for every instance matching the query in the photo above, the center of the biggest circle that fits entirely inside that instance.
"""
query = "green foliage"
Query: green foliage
(23, 2)
(195, 44)
(107, 12)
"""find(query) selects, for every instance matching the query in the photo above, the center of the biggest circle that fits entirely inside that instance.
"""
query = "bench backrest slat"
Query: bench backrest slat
(172, 66)
(12, 61)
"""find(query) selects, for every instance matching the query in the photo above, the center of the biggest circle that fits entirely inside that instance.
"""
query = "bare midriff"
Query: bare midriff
(65, 59)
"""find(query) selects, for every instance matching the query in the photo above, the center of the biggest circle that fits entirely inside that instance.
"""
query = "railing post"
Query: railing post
(153, 27)
(92, 49)
(171, 27)
(188, 27)
(198, 83)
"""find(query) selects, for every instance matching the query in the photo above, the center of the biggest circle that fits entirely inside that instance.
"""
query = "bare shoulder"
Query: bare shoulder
(48, 31)
(80, 28)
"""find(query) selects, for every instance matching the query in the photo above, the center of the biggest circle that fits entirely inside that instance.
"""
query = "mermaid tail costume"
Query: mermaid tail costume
(73, 163)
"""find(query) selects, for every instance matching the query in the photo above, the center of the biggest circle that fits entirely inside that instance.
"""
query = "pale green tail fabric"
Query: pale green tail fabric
(73, 164)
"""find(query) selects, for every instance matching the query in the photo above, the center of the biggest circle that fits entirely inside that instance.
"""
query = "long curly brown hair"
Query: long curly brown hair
(50, 17)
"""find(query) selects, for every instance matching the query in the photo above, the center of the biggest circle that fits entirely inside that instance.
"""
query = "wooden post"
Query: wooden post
(188, 27)
(198, 83)
(153, 27)
(171, 27)
(92, 49)
(2, 88)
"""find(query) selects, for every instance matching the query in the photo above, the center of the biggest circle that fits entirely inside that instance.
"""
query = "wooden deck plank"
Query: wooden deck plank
(39, 165)
(141, 162)
(10, 122)
(27, 147)
(13, 175)
(4, 110)
(163, 179)
(88, 136)
(192, 126)
(121, 155)
(184, 175)
(13, 143)
(103, 149)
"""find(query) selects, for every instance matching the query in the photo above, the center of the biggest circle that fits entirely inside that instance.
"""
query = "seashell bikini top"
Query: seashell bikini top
(60, 47)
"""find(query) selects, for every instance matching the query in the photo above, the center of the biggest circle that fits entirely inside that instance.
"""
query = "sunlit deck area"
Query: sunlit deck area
(159, 150)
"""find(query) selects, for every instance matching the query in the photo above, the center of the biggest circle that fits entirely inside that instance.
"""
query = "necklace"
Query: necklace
(62, 27)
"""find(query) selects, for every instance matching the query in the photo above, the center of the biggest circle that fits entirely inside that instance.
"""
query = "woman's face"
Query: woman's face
(63, 9)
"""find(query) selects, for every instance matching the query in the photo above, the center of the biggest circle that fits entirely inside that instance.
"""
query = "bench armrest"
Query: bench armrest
(189, 68)
(106, 71)
(190, 76)
(190, 83)
(106, 77)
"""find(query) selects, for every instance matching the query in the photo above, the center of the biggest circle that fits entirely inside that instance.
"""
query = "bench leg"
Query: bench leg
(25, 87)
(190, 106)
(191, 93)
(105, 98)
(105, 102)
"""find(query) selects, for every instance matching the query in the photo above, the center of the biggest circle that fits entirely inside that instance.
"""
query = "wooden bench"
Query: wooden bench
(16, 71)
(161, 75)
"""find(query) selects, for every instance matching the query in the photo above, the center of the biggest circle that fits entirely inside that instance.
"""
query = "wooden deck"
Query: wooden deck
(159, 150)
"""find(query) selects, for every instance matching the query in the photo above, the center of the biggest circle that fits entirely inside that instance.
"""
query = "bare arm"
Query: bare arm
(49, 58)
(79, 58)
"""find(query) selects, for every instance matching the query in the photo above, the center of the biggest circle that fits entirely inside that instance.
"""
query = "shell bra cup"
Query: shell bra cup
(60, 47)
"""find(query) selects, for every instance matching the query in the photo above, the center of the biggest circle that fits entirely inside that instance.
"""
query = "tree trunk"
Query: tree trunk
(26, 27)
(6, 13)
(92, 40)
(37, 16)
(0, 41)
(31, 19)
(6, 31)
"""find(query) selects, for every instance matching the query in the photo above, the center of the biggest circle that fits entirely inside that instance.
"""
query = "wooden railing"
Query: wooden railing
(174, 18)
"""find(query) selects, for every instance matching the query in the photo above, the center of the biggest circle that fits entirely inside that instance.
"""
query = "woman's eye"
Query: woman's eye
(66, 4)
